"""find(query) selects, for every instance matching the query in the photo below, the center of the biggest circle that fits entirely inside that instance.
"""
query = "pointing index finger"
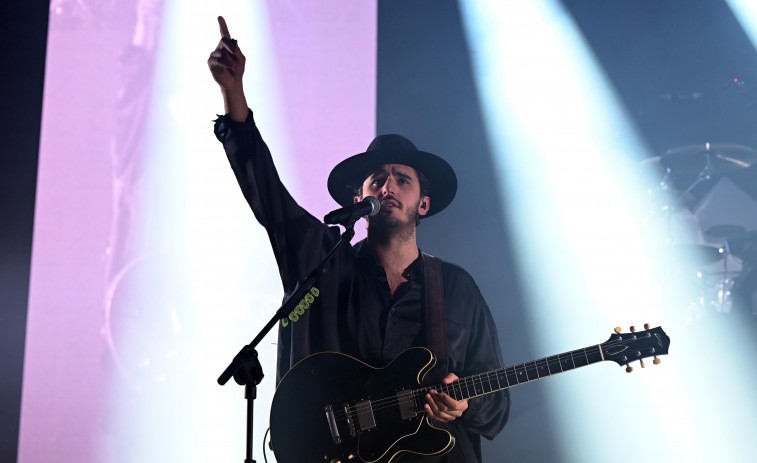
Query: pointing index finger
(224, 29)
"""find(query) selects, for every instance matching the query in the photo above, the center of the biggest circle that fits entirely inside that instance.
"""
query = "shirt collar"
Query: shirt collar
(363, 252)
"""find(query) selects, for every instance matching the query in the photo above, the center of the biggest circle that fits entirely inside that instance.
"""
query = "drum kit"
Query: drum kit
(719, 263)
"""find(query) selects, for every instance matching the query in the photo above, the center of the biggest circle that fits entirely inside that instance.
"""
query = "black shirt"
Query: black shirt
(354, 311)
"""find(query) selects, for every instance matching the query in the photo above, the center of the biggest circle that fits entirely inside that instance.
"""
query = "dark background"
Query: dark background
(673, 64)
(23, 35)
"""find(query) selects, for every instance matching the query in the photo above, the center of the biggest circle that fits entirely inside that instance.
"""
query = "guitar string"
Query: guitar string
(482, 378)
(468, 383)
(490, 377)
(472, 381)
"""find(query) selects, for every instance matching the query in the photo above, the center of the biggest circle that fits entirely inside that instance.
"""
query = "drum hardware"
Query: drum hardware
(715, 289)
(708, 159)
(705, 160)
(744, 246)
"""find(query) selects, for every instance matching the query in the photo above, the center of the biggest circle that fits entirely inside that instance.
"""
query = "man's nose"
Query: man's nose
(388, 187)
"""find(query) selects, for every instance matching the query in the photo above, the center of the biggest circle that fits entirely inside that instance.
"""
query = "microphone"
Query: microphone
(368, 207)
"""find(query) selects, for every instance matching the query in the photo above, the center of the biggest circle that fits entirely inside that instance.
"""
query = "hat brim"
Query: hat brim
(350, 173)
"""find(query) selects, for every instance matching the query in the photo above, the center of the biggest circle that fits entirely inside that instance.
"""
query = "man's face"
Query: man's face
(398, 189)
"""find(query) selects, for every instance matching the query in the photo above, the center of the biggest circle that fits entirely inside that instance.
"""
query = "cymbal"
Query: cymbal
(721, 158)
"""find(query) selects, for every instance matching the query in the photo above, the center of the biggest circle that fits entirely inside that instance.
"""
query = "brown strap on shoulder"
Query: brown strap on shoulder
(436, 335)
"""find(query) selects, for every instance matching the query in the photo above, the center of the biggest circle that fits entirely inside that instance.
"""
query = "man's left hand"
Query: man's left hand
(441, 406)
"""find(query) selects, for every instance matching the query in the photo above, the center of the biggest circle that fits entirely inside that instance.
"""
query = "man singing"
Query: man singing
(375, 298)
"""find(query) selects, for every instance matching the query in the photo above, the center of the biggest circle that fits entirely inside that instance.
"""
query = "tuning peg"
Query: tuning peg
(629, 368)
(656, 361)
(618, 329)
(633, 329)
(646, 326)
(642, 363)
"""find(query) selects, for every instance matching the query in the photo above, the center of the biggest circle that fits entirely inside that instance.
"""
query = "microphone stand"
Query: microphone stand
(245, 366)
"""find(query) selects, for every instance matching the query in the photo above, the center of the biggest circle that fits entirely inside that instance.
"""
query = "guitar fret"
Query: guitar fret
(491, 385)
(457, 393)
(597, 355)
(478, 384)
(531, 371)
(554, 364)
(503, 378)
(521, 377)
(512, 376)
(566, 362)
(542, 369)
(580, 359)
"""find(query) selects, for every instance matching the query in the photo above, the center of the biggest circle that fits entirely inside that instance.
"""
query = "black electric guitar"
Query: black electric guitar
(331, 407)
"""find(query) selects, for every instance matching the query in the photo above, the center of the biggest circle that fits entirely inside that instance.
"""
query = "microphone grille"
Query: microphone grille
(375, 205)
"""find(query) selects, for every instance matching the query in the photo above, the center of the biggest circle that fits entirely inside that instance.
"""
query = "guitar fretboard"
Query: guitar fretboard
(503, 378)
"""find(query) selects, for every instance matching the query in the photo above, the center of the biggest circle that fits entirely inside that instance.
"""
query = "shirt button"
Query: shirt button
(393, 309)
(389, 348)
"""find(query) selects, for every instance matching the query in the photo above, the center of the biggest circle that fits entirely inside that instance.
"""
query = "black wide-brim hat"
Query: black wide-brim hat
(394, 149)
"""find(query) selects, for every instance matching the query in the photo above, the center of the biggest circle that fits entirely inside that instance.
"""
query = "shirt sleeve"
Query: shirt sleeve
(297, 238)
(473, 348)
(486, 415)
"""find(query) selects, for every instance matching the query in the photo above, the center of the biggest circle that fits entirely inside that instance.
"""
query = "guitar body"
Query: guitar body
(332, 407)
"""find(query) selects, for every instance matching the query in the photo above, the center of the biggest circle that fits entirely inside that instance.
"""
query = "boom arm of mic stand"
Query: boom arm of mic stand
(285, 309)
(245, 367)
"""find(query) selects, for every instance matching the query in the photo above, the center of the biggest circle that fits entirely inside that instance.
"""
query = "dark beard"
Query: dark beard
(383, 228)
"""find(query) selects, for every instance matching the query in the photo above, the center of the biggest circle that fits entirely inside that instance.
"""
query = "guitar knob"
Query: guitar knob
(642, 363)
(629, 368)
(618, 329)
(646, 326)
(633, 329)
(656, 361)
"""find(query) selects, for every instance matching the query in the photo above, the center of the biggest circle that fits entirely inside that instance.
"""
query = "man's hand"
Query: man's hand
(226, 64)
(441, 406)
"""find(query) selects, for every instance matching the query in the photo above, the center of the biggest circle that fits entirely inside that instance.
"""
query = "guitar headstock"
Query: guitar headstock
(624, 348)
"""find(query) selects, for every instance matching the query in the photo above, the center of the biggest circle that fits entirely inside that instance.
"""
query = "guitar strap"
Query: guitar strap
(436, 335)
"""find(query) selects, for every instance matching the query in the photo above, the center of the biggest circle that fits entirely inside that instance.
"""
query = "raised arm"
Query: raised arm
(226, 64)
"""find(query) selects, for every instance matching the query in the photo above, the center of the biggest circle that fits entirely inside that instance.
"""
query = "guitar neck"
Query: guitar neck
(503, 378)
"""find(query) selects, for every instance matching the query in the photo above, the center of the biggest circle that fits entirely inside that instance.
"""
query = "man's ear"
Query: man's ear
(424, 206)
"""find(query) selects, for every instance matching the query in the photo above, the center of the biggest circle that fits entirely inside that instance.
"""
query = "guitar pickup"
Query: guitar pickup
(406, 405)
(364, 412)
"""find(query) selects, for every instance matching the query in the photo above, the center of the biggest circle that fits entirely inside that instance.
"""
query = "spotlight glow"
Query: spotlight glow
(569, 160)
(746, 13)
